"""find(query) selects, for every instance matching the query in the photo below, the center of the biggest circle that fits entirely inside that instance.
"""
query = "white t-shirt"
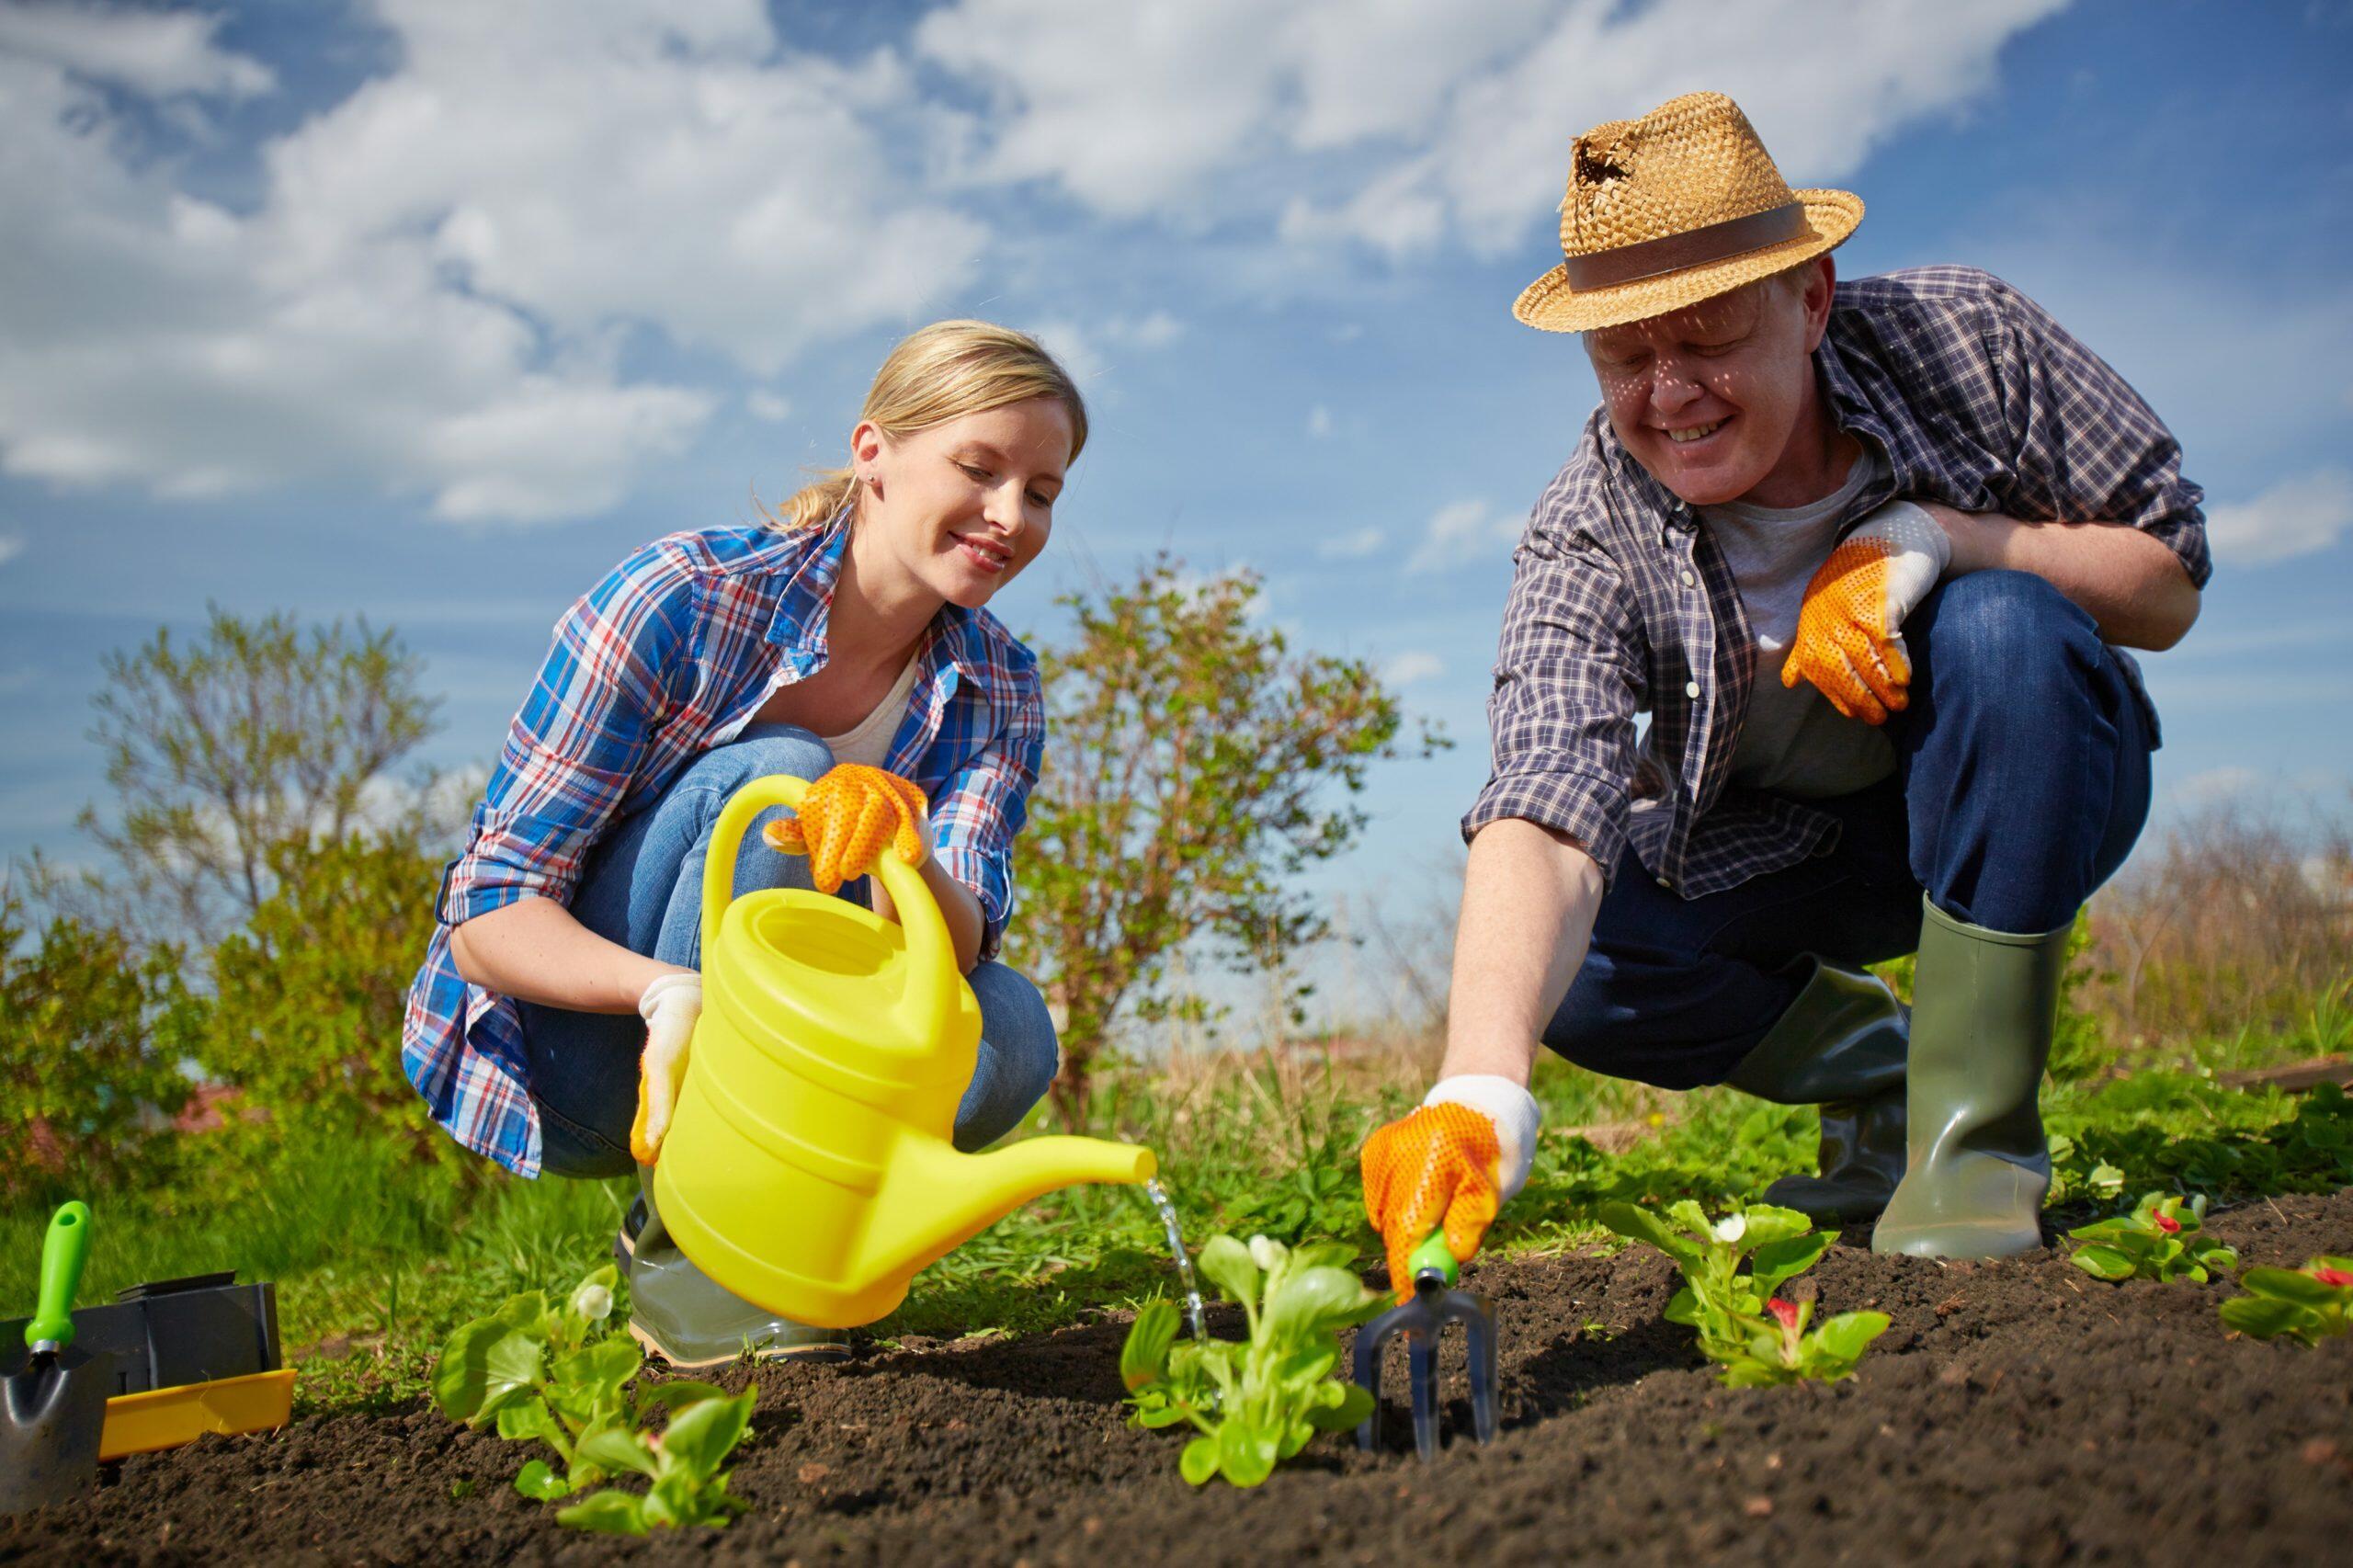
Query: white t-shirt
(1793, 743)
(870, 743)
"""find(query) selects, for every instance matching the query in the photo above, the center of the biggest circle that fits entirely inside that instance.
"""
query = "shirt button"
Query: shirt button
(1691, 689)
(1688, 579)
(1667, 882)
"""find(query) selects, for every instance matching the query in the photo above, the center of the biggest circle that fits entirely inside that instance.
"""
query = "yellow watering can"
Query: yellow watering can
(808, 1166)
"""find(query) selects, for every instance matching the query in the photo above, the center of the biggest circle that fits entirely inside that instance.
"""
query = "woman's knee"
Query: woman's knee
(1019, 1029)
(760, 751)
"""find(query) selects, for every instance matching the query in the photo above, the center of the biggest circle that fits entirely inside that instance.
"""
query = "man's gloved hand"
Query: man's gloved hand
(1449, 1164)
(669, 1007)
(844, 820)
(1850, 640)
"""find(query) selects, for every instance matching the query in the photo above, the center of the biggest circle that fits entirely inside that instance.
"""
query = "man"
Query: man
(1865, 553)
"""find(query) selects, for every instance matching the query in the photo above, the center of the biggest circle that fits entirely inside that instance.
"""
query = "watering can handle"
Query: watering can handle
(929, 999)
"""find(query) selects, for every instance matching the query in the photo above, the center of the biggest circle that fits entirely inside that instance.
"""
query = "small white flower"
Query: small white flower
(1267, 1253)
(593, 1301)
(1732, 1227)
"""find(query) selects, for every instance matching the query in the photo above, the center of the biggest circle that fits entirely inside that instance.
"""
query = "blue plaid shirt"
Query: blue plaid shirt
(672, 654)
(1620, 601)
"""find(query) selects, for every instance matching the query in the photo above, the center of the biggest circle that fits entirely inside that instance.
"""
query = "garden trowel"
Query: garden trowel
(51, 1413)
(1421, 1321)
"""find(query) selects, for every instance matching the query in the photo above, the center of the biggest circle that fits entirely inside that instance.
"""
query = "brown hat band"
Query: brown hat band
(1694, 247)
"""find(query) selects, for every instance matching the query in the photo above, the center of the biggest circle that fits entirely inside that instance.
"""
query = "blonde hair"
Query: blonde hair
(941, 372)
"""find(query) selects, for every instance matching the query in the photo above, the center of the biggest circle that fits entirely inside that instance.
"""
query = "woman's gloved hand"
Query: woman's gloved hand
(1450, 1165)
(1850, 640)
(669, 1007)
(844, 820)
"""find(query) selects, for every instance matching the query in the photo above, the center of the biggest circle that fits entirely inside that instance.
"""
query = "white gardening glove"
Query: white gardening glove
(669, 1007)
(1850, 640)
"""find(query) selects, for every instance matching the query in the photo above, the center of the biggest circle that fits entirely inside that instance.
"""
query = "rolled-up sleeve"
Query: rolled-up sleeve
(981, 805)
(575, 743)
(2085, 445)
(1568, 680)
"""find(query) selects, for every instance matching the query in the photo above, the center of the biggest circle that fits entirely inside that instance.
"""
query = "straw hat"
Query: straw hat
(1672, 209)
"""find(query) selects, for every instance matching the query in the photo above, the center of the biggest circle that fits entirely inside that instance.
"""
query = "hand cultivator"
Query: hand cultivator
(1421, 1321)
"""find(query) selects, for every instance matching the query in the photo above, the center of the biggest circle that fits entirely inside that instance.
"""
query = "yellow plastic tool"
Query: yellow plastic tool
(164, 1418)
(808, 1168)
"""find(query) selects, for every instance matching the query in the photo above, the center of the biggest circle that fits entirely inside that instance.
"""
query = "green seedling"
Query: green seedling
(1743, 1326)
(2307, 1304)
(561, 1375)
(1255, 1403)
(2159, 1240)
(682, 1463)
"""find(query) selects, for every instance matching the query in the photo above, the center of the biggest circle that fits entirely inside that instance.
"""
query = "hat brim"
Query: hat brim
(1549, 304)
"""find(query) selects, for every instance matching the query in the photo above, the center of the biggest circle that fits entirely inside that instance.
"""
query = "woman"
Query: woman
(849, 631)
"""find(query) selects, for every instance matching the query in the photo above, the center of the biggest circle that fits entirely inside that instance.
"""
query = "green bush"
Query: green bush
(306, 1018)
(92, 1033)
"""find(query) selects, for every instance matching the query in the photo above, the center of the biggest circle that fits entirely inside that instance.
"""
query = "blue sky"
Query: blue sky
(429, 312)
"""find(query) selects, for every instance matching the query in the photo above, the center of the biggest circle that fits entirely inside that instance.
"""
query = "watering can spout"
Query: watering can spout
(936, 1198)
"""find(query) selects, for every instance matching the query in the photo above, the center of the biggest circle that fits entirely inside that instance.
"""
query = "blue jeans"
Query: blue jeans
(2021, 782)
(643, 887)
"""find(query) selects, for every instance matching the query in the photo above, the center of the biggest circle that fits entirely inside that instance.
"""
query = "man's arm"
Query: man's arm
(1529, 896)
(2133, 585)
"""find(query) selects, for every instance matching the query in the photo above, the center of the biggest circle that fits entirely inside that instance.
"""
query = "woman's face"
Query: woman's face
(964, 506)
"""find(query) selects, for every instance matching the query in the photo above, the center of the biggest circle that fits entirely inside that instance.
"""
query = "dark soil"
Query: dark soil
(2015, 1413)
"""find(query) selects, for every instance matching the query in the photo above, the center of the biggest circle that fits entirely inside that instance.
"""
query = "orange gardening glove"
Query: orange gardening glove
(1849, 639)
(844, 821)
(1437, 1166)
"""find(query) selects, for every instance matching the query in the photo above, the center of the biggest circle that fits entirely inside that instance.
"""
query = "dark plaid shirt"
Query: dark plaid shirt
(1620, 602)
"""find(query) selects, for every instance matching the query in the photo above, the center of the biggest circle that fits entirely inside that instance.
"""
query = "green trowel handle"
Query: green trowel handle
(63, 1253)
(1433, 1254)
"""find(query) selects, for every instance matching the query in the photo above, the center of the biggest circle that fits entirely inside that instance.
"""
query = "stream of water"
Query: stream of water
(1159, 1196)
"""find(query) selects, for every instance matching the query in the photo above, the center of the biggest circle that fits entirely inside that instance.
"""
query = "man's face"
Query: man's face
(1717, 400)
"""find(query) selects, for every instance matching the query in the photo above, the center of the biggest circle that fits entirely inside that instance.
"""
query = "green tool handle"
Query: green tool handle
(63, 1253)
(1433, 1254)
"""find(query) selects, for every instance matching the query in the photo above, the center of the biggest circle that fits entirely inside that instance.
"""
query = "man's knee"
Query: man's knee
(1992, 630)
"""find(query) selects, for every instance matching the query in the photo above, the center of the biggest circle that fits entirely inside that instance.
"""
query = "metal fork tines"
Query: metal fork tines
(1422, 1320)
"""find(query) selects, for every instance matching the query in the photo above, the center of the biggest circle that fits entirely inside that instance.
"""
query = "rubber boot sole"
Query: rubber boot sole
(813, 1355)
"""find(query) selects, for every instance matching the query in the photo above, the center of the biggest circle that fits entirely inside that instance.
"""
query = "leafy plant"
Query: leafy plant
(2159, 1240)
(1258, 1402)
(682, 1461)
(1743, 1326)
(562, 1376)
(2307, 1304)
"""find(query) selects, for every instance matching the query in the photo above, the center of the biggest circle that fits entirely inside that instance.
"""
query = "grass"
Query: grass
(378, 1255)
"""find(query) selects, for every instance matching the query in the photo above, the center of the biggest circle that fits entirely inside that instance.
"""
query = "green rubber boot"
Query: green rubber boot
(1840, 1046)
(1985, 1004)
(688, 1319)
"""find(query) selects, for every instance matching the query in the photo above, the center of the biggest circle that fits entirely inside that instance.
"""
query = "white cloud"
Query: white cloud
(1436, 120)
(157, 52)
(1364, 541)
(764, 404)
(1068, 343)
(11, 547)
(2215, 785)
(1155, 329)
(2296, 517)
(1411, 667)
(1319, 422)
(1461, 532)
(430, 295)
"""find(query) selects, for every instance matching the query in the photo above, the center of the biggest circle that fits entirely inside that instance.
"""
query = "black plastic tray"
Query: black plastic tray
(169, 1332)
